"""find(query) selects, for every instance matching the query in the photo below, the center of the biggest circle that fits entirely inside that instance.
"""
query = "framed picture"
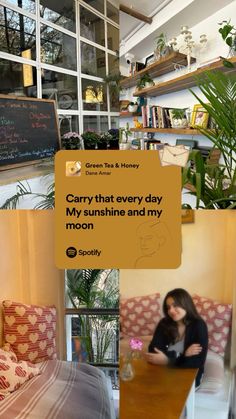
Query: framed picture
(199, 117)
(149, 60)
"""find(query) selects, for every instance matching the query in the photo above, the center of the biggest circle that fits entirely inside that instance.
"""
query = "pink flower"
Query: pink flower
(136, 344)
(71, 134)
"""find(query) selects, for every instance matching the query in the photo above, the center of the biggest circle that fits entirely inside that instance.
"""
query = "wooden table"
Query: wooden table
(157, 392)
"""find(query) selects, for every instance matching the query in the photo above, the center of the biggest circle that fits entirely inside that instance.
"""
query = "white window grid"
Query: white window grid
(80, 112)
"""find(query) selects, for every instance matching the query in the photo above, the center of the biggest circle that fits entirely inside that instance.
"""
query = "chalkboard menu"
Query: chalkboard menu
(28, 131)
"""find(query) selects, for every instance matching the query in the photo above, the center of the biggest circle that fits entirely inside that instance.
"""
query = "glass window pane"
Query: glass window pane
(57, 48)
(60, 87)
(97, 4)
(92, 27)
(59, 12)
(97, 123)
(93, 337)
(113, 64)
(94, 95)
(28, 5)
(112, 37)
(97, 338)
(114, 99)
(17, 79)
(112, 12)
(93, 60)
(68, 123)
(17, 33)
(115, 122)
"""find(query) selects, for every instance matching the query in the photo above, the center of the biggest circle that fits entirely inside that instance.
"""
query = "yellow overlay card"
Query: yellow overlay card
(117, 209)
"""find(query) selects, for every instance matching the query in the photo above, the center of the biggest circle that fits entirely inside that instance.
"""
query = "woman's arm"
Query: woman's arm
(198, 358)
(159, 340)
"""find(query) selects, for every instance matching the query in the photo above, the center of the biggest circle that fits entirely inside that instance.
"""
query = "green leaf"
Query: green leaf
(225, 30)
(229, 41)
(219, 91)
(228, 64)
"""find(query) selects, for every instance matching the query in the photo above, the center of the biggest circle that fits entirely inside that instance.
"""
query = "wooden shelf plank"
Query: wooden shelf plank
(129, 114)
(27, 172)
(160, 67)
(184, 131)
(183, 82)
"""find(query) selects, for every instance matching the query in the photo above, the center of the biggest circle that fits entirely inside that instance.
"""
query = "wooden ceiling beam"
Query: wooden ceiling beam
(135, 14)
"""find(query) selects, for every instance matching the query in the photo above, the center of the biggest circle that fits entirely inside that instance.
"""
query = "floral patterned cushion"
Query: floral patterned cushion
(30, 330)
(218, 319)
(140, 315)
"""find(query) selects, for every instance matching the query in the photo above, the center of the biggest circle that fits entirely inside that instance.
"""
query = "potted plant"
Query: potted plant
(92, 140)
(108, 142)
(215, 186)
(113, 81)
(133, 107)
(114, 140)
(179, 118)
(72, 141)
(162, 48)
(125, 133)
(228, 33)
(145, 81)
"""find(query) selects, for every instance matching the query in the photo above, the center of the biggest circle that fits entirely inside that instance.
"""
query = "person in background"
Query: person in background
(181, 337)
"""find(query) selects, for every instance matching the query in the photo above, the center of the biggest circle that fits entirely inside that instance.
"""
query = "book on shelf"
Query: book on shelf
(156, 117)
(152, 144)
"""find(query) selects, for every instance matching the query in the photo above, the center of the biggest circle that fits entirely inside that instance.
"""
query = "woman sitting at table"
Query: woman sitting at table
(181, 337)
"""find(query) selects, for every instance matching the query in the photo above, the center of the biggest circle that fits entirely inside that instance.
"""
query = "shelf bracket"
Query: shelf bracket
(135, 14)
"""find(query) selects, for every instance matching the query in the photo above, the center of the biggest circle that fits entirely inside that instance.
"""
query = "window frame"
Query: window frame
(78, 73)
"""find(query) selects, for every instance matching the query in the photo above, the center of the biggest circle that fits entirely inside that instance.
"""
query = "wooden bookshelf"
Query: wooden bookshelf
(183, 131)
(184, 82)
(158, 68)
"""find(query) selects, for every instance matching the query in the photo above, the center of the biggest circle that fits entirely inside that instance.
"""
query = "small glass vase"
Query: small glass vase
(232, 49)
(127, 371)
(232, 52)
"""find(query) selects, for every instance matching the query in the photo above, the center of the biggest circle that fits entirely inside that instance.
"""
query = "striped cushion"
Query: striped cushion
(30, 330)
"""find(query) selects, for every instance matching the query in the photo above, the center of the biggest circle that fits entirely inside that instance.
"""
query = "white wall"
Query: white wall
(37, 185)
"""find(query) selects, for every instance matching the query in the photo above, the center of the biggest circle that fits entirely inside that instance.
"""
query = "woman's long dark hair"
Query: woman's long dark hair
(182, 299)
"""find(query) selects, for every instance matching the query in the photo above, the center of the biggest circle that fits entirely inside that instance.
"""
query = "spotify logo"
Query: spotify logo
(71, 252)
